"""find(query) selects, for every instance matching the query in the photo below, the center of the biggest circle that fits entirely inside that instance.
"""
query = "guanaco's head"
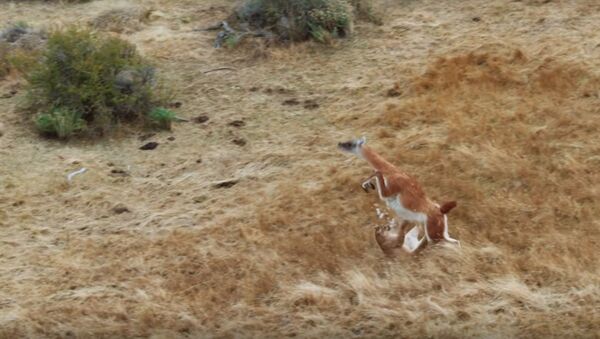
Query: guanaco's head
(353, 146)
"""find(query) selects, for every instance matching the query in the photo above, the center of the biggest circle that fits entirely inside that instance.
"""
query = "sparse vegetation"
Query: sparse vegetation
(366, 10)
(121, 20)
(299, 20)
(103, 79)
(19, 44)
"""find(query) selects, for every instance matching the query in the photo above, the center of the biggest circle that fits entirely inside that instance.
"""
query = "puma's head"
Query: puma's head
(352, 146)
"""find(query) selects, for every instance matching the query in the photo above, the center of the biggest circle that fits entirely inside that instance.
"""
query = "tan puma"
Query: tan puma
(404, 195)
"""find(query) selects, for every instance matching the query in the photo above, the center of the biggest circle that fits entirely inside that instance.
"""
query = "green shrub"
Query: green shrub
(103, 79)
(299, 20)
(161, 117)
(61, 122)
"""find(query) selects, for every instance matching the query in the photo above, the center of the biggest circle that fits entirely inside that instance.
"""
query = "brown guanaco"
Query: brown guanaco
(405, 196)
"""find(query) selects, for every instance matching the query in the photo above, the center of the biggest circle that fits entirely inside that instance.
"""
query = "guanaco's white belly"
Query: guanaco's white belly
(395, 204)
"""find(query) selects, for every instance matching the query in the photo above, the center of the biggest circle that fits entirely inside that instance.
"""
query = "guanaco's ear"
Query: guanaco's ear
(362, 141)
(447, 207)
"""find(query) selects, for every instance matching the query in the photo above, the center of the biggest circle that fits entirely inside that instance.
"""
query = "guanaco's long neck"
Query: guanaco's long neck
(377, 161)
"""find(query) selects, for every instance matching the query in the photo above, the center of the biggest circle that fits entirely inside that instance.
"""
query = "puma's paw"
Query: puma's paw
(382, 229)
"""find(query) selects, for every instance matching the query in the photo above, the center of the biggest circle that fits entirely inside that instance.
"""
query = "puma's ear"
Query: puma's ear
(447, 207)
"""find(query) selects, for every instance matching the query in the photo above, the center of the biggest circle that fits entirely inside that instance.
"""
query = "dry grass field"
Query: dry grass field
(495, 104)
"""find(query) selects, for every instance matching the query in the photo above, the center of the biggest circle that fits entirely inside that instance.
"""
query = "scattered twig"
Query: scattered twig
(72, 174)
(214, 27)
(176, 118)
(227, 28)
(220, 69)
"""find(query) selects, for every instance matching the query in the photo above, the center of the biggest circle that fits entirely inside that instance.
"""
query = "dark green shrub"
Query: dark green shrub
(297, 20)
(161, 117)
(103, 79)
(61, 122)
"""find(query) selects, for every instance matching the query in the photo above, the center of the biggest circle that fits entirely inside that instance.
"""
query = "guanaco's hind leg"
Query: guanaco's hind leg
(411, 240)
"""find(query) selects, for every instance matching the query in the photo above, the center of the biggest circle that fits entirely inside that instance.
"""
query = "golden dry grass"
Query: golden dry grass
(501, 114)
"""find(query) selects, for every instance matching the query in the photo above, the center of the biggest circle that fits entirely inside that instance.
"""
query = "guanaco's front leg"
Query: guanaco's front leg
(381, 185)
(368, 183)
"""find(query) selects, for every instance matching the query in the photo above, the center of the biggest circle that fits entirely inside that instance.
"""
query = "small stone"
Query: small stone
(199, 161)
(1, 129)
(119, 173)
(200, 199)
(225, 183)
(310, 104)
(237, 123)
(200, 119)
(393, 92)
(291, 102)
(149, 146)
(171, 138)
(239, 142)
(176, 104)
(476, 19)
(120, 209)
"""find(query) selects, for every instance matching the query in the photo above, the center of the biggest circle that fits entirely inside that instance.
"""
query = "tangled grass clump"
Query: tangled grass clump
(86, 80)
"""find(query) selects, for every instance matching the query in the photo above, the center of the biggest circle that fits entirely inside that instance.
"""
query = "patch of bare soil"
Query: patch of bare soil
(246, 221)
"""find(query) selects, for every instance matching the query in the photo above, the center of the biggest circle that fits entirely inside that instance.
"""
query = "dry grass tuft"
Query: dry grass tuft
(121, 20)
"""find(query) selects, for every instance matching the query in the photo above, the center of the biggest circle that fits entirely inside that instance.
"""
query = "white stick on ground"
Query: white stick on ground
(72, 174)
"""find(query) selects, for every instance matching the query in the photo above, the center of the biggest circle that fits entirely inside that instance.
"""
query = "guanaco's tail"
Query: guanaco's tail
(447, 207)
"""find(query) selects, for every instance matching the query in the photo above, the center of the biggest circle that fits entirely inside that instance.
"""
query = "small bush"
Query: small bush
(298, 20)
(19, 41)
(61, 122)
(103, 79)
(161, 117)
